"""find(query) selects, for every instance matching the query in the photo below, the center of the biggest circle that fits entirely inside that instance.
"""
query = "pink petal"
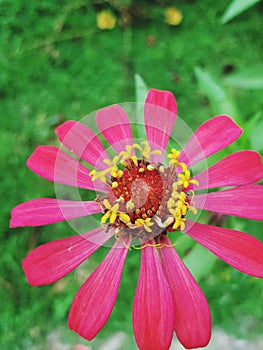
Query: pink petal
(238, 168)
(114, 125)
(152, 315)
(94, 301)
(52, 261)
(212, 136)
(44, 211)
(243, 201)
(238, 249)
(81, 140)
(191, 311)
(53, 164)
(159, 116)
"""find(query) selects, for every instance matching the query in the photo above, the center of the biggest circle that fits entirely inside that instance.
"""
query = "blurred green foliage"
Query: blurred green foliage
(55, 65)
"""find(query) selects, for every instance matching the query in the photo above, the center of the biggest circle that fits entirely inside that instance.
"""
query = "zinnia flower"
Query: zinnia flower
(146, 193)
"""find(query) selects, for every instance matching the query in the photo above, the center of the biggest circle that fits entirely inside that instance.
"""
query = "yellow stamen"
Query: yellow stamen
(130, 205)
(161, 169)
(145, 223)
(174, 156)
(115, 184)
(124, 217)
(151, 167)
(185, 179)
(126, 154)
(157, 245)
(179, 222)
(112, 213)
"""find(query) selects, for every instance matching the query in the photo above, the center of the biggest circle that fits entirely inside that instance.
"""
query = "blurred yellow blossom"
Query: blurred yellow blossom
(106, 20)
(173, 16)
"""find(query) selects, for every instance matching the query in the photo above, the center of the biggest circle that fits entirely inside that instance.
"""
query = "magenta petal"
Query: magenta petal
(52, 261)
(53, 164)
(44, 211)
(159, 116)
(114, 125)
(192, 319)
(81, 140)
(152, 315)
(238, 249)
(238, 168)
(243, 201)
(212, 136)
(94, 301)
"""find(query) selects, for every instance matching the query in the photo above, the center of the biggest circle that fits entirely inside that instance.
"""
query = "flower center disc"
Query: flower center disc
(141, 189)
(146, 200)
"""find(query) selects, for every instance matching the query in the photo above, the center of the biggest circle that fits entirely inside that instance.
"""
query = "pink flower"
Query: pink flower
(145, 195)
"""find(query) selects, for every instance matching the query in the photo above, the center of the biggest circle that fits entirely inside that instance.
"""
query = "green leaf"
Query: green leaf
(236, 8)
(251, 78)
(220, 101)
(199, 261)
(256, 133)
(140, 88)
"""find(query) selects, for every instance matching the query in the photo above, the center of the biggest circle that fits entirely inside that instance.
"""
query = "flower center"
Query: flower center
(145, 199)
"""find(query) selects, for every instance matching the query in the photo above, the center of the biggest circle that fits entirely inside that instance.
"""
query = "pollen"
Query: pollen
(145, 199)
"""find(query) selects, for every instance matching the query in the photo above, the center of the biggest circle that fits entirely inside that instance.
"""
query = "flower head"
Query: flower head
(147, 190)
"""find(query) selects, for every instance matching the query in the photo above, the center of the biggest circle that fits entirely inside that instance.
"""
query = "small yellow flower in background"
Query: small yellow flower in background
(106, 20)
(173, 16)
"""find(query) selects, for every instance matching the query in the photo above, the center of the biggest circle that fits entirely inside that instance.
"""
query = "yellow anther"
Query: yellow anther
(134, 159)
(185, 179)
(179, 195)
(145, 223)
(111, 169)
(116, 172)
(130, 205)
(120, 199)
(115, 184)
(141, 170)
(171, 203)
(151, 167)
(124, 217)
(174, 156)
(176, 212)
(124, 163)
(161, 169)
(126, 154)
(193, 210)
(146, 149)
(179, 222)
(98, 175)
(156, 245)
(112, 213)
(156, 151)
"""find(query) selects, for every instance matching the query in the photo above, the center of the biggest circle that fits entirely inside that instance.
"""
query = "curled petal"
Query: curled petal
(152, 314)
(159, 117)
(212, 136)
(238, 168)
(81, 140)
(238, 249)
(114, 125)
(53, 164)
(44, 211)
(192, 319)
(243, 201)
(94, 301)
(52, 261)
